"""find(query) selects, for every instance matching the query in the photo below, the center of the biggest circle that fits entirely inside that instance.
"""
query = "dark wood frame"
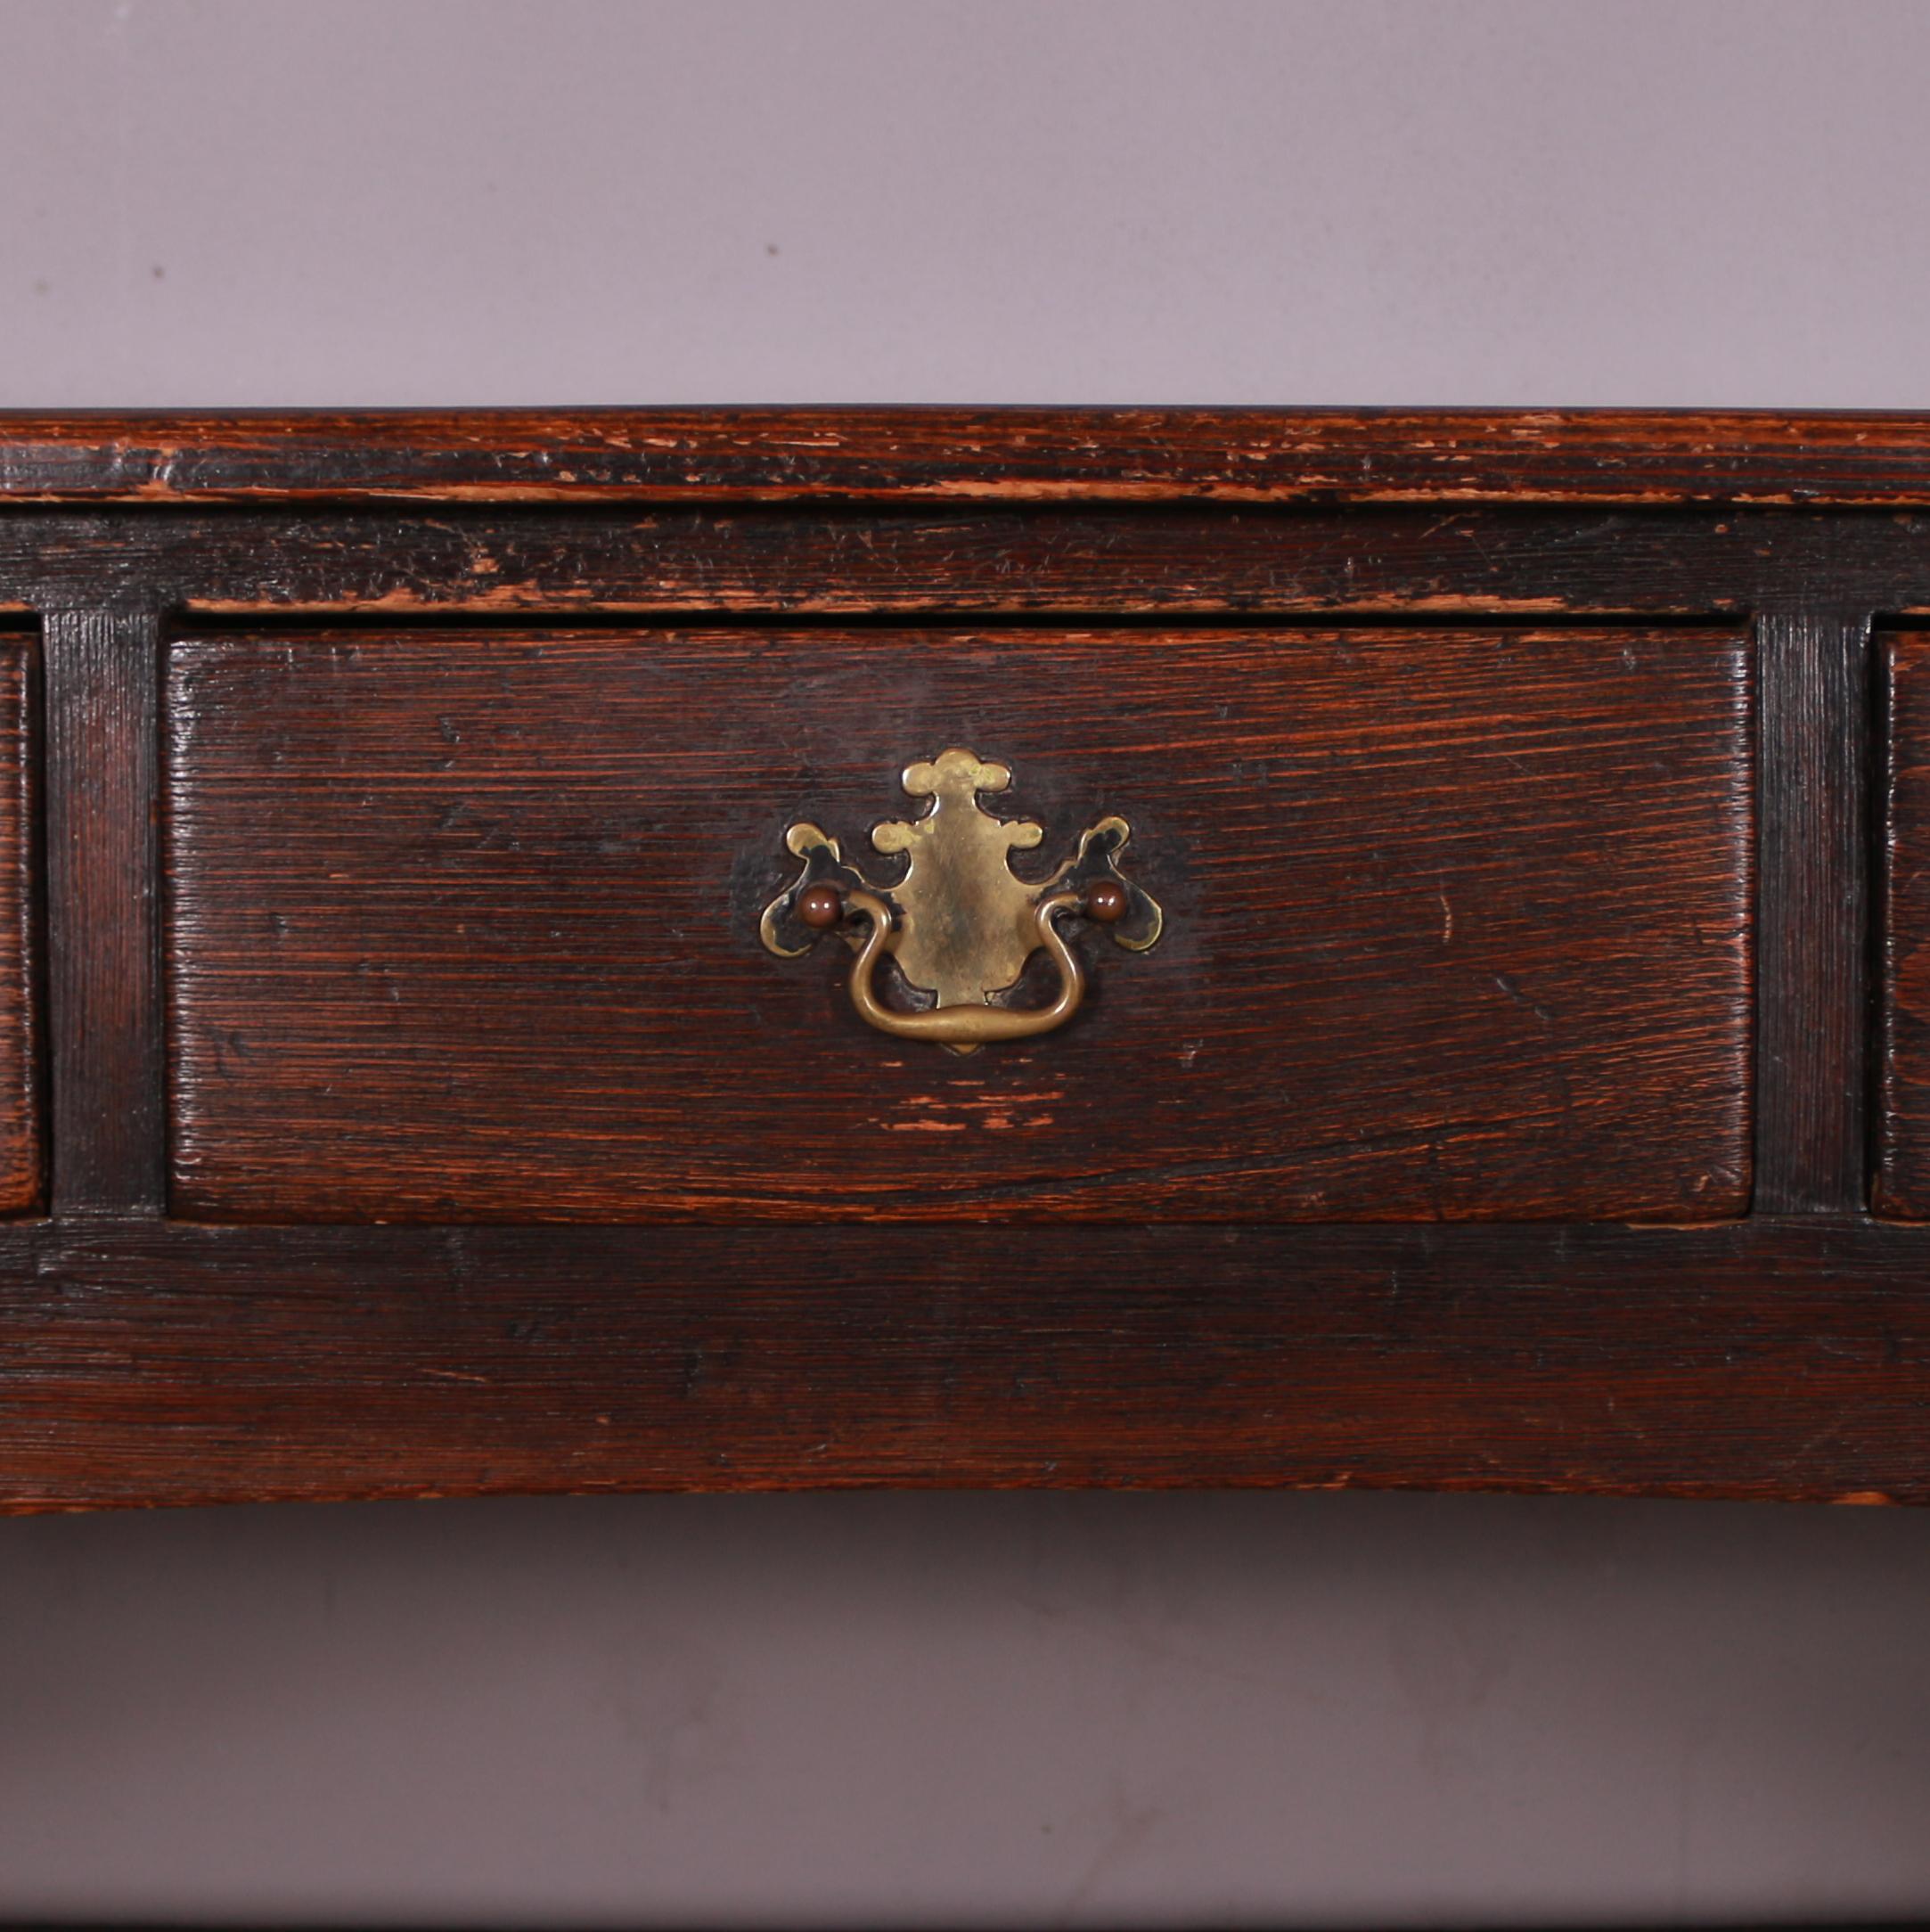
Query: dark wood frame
(1787, 1354)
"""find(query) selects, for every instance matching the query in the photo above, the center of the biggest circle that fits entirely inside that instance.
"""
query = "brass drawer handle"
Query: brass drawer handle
(960, 924)
(967, 1026)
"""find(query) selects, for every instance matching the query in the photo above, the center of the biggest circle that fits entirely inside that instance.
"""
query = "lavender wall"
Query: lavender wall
(901, 1708)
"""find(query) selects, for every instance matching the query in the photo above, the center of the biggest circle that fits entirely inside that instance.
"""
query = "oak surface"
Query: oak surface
(464, 926)
(1813, 989)
(22, 1159)
(1145, 455)
(146, 1358)
(1762, 1358)
(1143, 563)
(1902, 1129)
(103, 748)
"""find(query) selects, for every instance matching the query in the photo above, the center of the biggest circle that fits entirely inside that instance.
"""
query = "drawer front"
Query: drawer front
(466, 927)
(22, 1162)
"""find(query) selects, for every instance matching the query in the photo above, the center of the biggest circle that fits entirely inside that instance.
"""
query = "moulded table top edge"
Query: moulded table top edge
(1658, 457)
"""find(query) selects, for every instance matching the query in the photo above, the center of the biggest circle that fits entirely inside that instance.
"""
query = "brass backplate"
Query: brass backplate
(962, 923)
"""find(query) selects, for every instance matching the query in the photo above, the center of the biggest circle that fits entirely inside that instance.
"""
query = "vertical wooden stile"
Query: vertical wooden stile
(1813, 900)
(102, 678)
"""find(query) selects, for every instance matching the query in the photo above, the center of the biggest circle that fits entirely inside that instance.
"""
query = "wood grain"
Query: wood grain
(845, 561)
(1647, 456)
(463, 926)
(182, 1364)
(1785, 1353)
(22, 1154)
(103, 742)
(1813, 1045)
(1902, 1129)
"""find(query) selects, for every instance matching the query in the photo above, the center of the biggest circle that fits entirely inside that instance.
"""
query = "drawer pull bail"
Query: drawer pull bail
(959, 925)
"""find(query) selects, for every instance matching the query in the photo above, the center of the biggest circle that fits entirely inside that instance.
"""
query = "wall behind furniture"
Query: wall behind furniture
(965, 1709)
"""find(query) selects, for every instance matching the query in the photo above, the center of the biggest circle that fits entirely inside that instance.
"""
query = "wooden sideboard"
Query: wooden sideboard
(477, 892)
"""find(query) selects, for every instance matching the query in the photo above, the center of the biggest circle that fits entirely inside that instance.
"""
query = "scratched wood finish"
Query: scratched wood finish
(1646, 457)
(1902, 1135)
(847, 561)
(22, 1159)
(143, 1359)
(464, 926)
(1758, 1358)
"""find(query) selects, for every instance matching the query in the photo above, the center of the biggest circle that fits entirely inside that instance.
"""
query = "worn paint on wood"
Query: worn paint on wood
(1582, 456)
(839, 561)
